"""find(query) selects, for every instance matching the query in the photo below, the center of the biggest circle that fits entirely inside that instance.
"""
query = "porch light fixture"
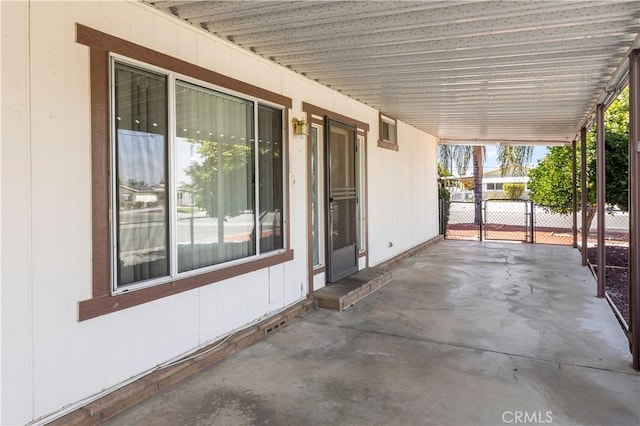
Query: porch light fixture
(300, 127)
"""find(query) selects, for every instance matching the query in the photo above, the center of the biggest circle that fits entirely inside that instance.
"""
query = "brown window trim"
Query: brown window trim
(319, 270)
(103, 42)
(388, 145)
(102, 301)
(311, 109)
(316, 114)
(383, 143)
(107, 304)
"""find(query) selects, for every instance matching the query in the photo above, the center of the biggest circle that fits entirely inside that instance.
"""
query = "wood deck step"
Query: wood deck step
(344, 293)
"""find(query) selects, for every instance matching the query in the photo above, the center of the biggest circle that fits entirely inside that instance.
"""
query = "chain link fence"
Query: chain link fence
(527, 222)
(616, 224)
(552, 224)
(461, 224)
(520, 220)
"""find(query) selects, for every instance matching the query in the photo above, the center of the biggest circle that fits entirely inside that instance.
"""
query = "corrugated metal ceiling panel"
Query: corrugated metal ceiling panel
(485, 70)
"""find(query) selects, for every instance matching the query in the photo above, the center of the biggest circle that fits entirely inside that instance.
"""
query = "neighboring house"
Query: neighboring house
(492, 185)
(458, 187)
(493, 182)
(102, 282)
(137, 196)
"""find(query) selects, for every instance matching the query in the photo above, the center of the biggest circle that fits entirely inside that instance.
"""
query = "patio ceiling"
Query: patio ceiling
(491, 71)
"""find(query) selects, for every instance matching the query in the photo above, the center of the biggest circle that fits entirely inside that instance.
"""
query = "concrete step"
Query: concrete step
(344, 293)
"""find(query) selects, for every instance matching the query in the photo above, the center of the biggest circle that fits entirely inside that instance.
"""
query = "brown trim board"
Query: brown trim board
(103, 42)
(102, 305)
(313, 109)
(319, 270)
(100, 173)
(361, 130)
(102, 302)
(390, 263)
(388, 145)
(382, 143)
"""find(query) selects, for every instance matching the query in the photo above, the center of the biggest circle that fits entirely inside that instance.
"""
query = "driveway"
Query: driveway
(467, 333)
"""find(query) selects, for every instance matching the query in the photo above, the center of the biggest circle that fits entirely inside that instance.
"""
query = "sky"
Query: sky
(491, 161)
(141, 157)
(539, 152)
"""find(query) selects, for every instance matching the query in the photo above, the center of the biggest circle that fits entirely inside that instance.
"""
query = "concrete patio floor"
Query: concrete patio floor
(467, 333)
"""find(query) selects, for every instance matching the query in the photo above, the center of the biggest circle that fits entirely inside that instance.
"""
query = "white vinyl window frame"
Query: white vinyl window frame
(318, 154)
(362, 202)
(172, 78)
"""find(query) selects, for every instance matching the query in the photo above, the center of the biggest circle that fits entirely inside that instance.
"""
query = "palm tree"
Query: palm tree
(513, 159)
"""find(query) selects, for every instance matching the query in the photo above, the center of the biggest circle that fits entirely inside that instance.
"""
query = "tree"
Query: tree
(511, 158)
(551, 183)
(216, 178)
(138, 184)
(443, 171)
(617, 151)
(514, 159)
(461, 155)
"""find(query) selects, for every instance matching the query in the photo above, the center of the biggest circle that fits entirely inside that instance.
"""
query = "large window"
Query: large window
(174, 210)
(193, 186)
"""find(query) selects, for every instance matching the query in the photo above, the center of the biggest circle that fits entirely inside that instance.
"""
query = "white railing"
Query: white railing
(460, 194)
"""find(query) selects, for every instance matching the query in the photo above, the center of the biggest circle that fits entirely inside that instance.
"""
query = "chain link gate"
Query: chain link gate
(507, 220)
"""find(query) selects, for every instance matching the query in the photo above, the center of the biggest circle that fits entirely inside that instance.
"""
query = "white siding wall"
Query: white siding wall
(403, 199)
(49, 359)
(16, 309)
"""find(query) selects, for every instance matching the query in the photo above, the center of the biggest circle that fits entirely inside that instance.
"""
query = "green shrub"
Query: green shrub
(513, 191)
(445, 196)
